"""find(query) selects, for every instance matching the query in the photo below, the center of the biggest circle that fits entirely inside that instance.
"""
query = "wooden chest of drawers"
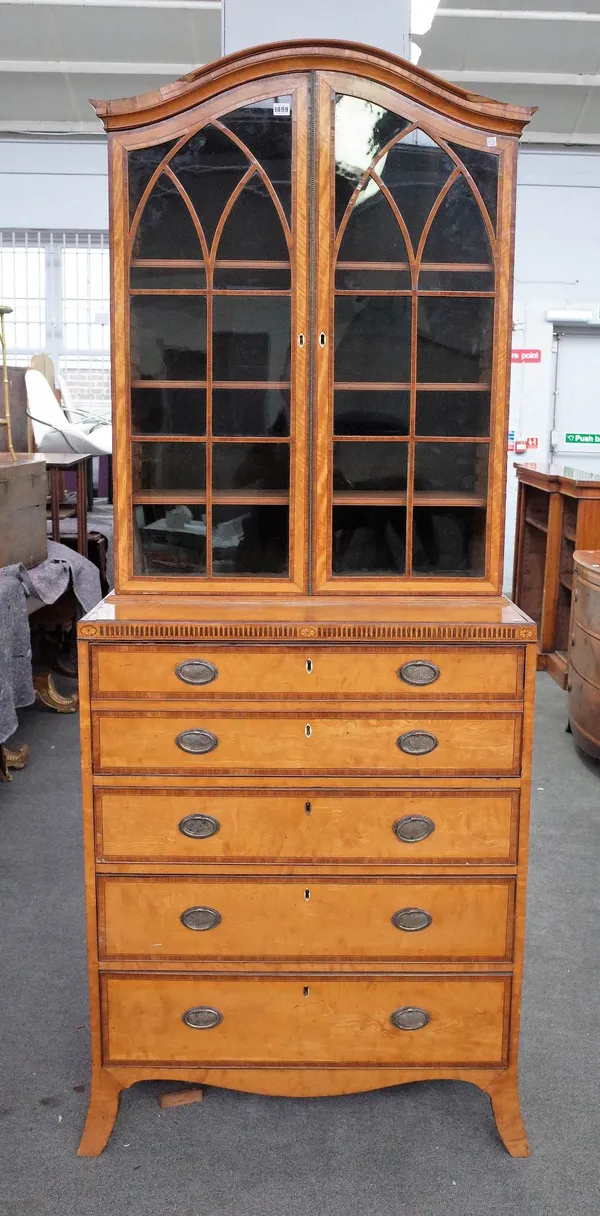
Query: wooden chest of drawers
(313, 854)
(584, 654)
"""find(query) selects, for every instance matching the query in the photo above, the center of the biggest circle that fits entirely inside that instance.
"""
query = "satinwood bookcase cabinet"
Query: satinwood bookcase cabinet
(307, 707)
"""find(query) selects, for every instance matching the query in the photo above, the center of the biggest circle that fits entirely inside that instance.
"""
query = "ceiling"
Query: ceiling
(53, 57)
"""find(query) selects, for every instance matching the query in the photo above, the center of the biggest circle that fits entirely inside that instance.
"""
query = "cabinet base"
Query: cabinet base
(301, 1083)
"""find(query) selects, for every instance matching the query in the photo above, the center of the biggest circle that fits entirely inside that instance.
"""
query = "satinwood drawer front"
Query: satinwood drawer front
(584, 654)
(420, 744)
(407, 828)
(345, 671)
(416, 1021)
(380, 918)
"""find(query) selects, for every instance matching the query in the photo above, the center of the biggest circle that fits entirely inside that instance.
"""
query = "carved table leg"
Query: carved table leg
(504, 1095)
(47, 692)
(102, 1112)
(12, 757)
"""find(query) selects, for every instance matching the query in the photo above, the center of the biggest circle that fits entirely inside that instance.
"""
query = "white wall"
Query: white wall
(53, 183)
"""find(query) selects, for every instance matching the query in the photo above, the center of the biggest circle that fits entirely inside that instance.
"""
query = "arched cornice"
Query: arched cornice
(278, 58)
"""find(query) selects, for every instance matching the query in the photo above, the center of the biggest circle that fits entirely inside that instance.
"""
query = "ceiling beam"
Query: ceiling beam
(491, 76)
(202, 5)
(512, 14)
(95, 67)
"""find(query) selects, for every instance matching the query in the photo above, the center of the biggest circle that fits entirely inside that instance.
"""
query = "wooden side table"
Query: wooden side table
(71, 462)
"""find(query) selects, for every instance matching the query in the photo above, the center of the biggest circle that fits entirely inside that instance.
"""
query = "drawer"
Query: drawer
(405, 828)
(306, 918)
(459, 1021)
(206, 673)
(584, 655)
(442, 744)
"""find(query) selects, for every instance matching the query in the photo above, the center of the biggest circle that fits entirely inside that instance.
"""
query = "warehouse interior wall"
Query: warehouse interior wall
(61, 184)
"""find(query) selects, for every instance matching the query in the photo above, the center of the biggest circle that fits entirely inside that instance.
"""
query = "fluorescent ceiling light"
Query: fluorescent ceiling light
(563, 316)
(422, 13)
(415, 52)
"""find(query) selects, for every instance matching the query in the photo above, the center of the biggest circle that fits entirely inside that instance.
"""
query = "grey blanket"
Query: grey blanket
(45, 582)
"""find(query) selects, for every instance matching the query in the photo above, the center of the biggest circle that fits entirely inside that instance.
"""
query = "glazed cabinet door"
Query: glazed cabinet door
(412, 344)
(210, 290)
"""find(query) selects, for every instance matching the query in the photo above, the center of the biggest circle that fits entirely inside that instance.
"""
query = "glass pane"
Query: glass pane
(168, 337)
(362, 129)
(251, 466)
(265, 127)
(483, 167)
(168, 411)
(251, 338)
(449, 541)
(451, 466)
(458, 233)
(372, 280)
(166, 228)
(140, 166)
(169, 540)
(253, 228)
(372, 233)
(414, 172)
(454, 339)
(251, 411)
(251, 539)
(154, 278)
(168, 466)
(209, 166)
(453, 280)
(369, 466)
(251, 276)
(372, 338)
(371, 412)
(459, 413)
(369, 540)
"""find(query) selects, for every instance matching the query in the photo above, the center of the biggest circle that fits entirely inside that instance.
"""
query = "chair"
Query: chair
(53, 431)
(88, 414)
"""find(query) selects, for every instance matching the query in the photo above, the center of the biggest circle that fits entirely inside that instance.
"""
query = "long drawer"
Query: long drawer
(302, 918)
(420, 744)
(245, 825)
(584, 654)
(416, 1021)
(121, 670)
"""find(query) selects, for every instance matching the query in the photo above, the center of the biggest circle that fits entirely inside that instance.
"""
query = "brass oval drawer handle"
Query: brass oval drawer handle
(196, 671)
(202, 1017)
(417, 742)
(411, 920)
(198, 742)
(199, 827)
(418, 671)
(409, 1018)
(412, 828)
(200, 919)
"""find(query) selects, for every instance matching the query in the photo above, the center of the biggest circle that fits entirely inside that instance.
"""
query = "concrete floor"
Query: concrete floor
(418, 1150)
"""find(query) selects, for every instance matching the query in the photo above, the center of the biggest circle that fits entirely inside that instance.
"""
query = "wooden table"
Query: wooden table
(68, 462)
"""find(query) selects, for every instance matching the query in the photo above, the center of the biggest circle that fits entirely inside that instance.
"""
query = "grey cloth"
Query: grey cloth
(46, 582)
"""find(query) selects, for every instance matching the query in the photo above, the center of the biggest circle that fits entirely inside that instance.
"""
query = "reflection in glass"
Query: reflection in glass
(372, 280)
(166, 228)
(483, 167)
(454, 339)
(246, 277)
(371, 412)
(268, 137)
(161, 278)
(253, 228)
(168, 466)
(169, 540)
(449, 541)
(458, 232)
(372, 338)
(251, 466)
(453, 413)
(369, 466)
(455, 467)
(362, 129)
(251, 539)
(372, 233)
(414, 172)
(369, 540)
(456, 280)
(141, 164)
(251, 338)
(209, 166)
(168, 337)
(251, 411)
(168, 411)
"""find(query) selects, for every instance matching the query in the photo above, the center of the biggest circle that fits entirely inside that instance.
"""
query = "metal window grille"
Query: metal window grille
(57, 284)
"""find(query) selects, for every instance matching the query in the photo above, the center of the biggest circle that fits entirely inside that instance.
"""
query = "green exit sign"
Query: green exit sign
(582, 437)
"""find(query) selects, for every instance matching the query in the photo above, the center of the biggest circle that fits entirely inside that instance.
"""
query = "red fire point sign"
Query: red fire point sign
(526, 356)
